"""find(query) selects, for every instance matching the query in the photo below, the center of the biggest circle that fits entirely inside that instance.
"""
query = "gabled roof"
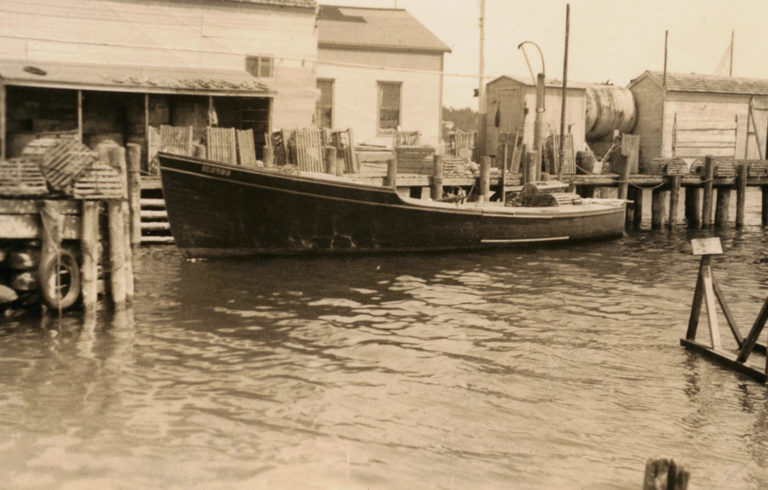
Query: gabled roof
(278, 3)
(131, 78)
(550, 83)
(691, 82)
(375, 28)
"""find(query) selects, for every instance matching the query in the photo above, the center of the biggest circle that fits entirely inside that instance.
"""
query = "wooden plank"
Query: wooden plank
(27, 226)
(726, 359)
(246, 148)
(710, 304)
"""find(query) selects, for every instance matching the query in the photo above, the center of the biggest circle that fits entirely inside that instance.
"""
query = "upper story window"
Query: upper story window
(389, 105)
(324, 109)
(260, 66)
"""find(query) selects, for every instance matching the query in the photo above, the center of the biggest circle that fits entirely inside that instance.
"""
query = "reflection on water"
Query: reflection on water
(548, 368)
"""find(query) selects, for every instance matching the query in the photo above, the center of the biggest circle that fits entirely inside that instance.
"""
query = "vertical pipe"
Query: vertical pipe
(437, 178)
(530, 166)
(503, 178)
(741, 193)
(134, 192)
(391, 179)
(481, 56)
(89, 246)
(674, 198)
(666, 39)
(709, 175)
(723, 204)
(561, 150)
(730, 64)
(353, 154)
(2, 121)
(485, 178)
(80, 115)
(538, 123)
(146, 131)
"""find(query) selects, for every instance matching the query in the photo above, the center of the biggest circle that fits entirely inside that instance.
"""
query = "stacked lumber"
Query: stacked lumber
(414, 159)
(60, 160)
(221, 145)
(459, 167)
(21, 177)
(99, 181)
(725, 167)
(758, 169)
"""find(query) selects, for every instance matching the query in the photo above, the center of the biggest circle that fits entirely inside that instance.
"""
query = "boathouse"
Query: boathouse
(378, 70)
(511, 108)
(690, 116)
(114, 69)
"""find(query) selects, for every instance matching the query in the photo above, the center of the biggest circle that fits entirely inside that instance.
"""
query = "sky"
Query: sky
(610, 40)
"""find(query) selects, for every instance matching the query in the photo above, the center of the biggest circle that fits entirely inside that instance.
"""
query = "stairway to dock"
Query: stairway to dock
(155, 229)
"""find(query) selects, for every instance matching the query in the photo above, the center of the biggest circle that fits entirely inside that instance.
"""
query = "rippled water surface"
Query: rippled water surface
(547, 368)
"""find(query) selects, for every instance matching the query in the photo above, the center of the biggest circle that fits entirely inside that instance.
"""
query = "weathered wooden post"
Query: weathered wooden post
(134, 191)
(331, 160)
(485, 178)
(722, 207)
(764, 213)
(658, 202)
(742, 172)
(268, 156)
(89, 249)
(436, 190)
(503, 179)
(532, 159)
(117, 238)
(665, 474)
(391, 179)
(623, 176)
(637, 219)
(675, 182)
(709, 176)
(693, 206)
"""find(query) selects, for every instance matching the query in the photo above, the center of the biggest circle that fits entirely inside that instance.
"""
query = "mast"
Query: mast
(561, 149)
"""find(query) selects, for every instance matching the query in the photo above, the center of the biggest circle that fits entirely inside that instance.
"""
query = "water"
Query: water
(553, 368)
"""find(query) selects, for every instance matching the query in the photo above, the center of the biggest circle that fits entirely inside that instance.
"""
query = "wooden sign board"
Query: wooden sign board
(707, 246)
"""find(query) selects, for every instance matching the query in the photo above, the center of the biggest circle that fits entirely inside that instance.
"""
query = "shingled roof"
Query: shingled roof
(278, 3)
(375, 28)
(691, 82)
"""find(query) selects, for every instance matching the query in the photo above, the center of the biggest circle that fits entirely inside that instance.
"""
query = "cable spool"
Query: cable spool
(60, 280)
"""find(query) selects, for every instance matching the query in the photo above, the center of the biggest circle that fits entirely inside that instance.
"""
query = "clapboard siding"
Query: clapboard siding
(355, 75)
(648, 103)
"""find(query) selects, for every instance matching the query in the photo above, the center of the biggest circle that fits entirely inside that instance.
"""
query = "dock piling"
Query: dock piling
(674, 198)
(89, 249)
(436, 189)
(741, 193)
(722, 206)
(485, 178)
(658, 203)
(693, 207)
(133, 151)
(709, 175)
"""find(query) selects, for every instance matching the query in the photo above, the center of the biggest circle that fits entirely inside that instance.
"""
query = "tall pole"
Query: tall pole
(666, 38)
(730, 68)
(561, 150)
(481, 61)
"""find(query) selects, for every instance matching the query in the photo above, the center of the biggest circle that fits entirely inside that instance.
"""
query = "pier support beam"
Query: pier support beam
(764, 213)
(693, 206)
(623, 177)
(674, 198)
(637, 219)
(134, 191)
(89, 246)
(658, 204)
(709, 175)
(723, 206)
(741, 193)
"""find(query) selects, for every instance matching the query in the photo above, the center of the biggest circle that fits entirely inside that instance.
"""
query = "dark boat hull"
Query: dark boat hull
(222, 210)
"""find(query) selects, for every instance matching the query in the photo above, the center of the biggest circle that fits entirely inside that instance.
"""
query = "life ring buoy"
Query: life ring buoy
(60, 280)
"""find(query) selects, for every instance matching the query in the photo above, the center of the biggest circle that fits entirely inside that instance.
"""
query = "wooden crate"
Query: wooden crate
(309, 150)
(99, 181)
(60, 160)
(725, 167)
(414, 159)
(246, 148)
(21, 178)
(221, 145)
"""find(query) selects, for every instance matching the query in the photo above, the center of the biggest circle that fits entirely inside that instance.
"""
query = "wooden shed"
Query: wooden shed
(690, 116)
(511, 107)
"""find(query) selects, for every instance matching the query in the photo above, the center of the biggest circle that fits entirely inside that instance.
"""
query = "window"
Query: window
(324, 109)
(260, 66)
(389, 105)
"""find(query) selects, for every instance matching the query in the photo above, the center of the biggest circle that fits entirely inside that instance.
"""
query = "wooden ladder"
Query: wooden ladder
(154, 218)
